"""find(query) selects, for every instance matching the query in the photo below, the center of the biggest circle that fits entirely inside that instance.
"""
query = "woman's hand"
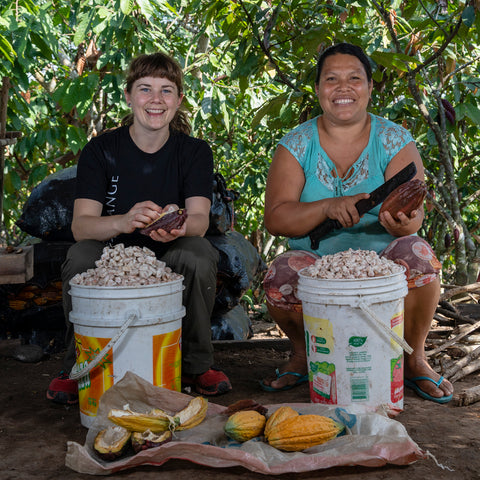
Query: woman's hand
(139, 216)
(405, 225)
(343, 209)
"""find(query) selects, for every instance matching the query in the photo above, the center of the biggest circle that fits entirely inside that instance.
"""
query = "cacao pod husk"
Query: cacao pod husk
(167, 221)
(407, 197)
(112, 443)
(245, 404)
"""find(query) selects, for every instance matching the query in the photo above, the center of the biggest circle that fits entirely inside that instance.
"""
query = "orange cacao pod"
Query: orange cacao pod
(407, 197)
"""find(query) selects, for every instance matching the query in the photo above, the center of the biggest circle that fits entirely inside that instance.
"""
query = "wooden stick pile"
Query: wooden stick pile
(453, 344)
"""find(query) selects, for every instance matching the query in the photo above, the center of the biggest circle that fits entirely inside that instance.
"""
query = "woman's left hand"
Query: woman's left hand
(161, 235)
(405, 225)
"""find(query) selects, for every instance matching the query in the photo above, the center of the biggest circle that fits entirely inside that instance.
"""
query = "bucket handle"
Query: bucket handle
(399, 340)
(130, 315)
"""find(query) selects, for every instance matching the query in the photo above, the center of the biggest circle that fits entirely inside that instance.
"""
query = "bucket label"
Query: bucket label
(93, 385)
(323, 381)
(167, 360)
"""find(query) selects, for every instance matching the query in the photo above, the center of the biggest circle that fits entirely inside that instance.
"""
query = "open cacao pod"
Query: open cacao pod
(167, 221)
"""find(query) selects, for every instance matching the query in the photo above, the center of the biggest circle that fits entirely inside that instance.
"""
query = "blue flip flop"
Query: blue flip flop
(412, 383)
(300, 379)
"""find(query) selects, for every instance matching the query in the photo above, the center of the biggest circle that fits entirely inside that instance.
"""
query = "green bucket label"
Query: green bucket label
(357, 341)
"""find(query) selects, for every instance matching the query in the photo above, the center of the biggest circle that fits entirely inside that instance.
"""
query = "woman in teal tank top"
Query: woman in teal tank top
(319, 171)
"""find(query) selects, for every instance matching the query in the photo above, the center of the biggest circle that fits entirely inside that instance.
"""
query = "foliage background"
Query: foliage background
(249, 73)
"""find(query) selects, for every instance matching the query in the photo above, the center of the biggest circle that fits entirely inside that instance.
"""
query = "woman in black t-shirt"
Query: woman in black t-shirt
(125, 179)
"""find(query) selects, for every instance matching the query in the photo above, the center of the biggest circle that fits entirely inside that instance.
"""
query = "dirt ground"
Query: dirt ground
(34, 432)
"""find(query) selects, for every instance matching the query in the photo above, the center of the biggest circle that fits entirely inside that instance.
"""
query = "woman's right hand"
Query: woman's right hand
(139, 216)
(343, 209)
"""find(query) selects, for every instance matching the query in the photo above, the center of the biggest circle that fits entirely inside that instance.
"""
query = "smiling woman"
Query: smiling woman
(128, 177)
(320, 170)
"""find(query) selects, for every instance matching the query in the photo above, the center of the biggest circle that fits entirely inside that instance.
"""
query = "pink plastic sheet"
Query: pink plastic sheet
(370, 439)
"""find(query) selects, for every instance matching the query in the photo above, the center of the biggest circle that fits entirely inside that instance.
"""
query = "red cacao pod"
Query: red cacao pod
(449, 111)
(167, 221)
(447, 240)
(407, 197)
(456, 234)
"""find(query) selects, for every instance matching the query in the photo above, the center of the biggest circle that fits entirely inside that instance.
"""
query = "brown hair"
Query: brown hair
(159, 65)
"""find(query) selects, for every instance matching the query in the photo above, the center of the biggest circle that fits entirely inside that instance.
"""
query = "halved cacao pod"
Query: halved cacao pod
(156, 420)
(167, 221)
(407, 197)
(193, 414)
(304, 431)
(112, 442)
(145, 440)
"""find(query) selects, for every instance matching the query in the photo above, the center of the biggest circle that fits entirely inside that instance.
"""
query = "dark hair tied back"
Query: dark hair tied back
(347, 49)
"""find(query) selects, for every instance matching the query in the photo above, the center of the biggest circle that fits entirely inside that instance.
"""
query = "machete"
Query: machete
(366, 204)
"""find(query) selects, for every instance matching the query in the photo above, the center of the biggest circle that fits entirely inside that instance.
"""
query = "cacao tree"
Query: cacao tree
(249, 71)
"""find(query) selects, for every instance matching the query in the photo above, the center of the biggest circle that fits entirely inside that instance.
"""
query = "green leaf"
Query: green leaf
(126, 6)
(40, 43)
(7, 49)
(76, 138)
(473, 113)
(468, 16)
(83, 25)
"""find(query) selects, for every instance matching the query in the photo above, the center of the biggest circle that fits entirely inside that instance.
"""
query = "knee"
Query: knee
(81, 256)
(195, 254)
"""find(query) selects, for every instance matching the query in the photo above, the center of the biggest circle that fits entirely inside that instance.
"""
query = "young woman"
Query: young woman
(125, 179)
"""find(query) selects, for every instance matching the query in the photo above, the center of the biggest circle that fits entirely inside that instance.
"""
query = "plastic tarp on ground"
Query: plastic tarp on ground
(370, 439)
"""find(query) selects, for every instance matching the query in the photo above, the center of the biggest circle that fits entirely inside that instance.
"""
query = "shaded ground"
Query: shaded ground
(34, 432)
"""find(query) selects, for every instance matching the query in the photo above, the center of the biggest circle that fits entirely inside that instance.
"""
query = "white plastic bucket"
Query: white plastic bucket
(354, 339)
(120, 329)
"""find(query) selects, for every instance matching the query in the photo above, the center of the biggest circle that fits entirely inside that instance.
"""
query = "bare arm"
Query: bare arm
(284, 213)
(88, 222)
(406, 225)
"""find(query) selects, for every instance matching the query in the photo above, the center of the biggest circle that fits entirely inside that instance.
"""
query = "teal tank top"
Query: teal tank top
(386, 140)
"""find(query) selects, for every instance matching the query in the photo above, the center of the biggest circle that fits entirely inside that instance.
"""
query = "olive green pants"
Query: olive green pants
(194, 258)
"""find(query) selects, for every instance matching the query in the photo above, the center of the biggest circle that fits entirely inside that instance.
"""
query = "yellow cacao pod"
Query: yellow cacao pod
(245, 425)
(304, 431)
(278, 416)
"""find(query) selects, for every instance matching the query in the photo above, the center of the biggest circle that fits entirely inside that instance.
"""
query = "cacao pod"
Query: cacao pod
(449, 111)
(278, 416)
(245, 425)
(447, 240)
(456, 234)
(112, 442)
(405, 198)
(167, 221)
(303, 431)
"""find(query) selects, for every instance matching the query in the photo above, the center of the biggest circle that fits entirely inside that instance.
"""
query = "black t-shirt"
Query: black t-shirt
(113, 171)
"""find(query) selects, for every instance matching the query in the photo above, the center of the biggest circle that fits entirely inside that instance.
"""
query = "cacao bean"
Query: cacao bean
(168, 222)
(407, 197)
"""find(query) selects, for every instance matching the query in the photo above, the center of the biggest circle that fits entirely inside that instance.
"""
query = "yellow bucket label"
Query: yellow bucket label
(93, 385)
(167, 360)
